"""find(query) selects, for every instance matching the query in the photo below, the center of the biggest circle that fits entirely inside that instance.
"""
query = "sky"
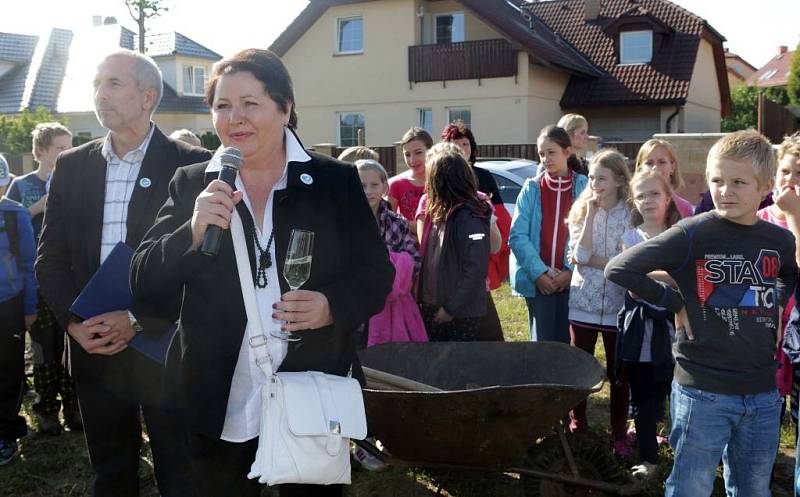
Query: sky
(754, 28)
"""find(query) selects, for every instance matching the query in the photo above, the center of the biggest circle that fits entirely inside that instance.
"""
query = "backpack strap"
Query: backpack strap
(13, 235)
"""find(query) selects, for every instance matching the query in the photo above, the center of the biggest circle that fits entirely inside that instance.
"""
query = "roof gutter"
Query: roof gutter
(673, 116)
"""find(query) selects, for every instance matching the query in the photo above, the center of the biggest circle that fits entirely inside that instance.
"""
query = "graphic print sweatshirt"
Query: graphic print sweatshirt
(733, 279)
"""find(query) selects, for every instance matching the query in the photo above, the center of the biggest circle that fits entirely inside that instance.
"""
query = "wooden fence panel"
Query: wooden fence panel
(774, 120)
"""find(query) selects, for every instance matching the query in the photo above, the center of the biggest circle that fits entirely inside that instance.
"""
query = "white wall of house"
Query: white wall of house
(375, 82)
(545, 89)
(703, 109)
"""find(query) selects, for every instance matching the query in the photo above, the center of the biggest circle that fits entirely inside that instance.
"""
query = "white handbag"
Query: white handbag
(307, 418)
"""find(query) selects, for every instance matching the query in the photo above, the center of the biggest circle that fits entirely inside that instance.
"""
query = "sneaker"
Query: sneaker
(8, 449)
(48, 424)
(622, 448)
(644, 470)
(367, 460)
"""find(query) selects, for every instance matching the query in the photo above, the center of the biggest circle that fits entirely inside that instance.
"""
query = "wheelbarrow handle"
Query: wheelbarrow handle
(397, 382)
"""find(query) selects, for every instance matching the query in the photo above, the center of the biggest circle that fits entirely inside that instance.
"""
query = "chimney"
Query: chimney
(97, 21)
(782, 49)
(591, 10)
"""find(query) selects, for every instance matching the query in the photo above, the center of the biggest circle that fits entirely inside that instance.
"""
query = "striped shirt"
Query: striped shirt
(121, 177)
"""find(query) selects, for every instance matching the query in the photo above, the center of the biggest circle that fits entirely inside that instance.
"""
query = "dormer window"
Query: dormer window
(449, 28)
(194, 80)
(635, 47)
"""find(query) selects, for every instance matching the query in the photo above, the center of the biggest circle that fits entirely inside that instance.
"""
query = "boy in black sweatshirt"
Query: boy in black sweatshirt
(734, 274)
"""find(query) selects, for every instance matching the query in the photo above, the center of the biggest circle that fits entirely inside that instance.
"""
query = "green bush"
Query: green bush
(15, 130)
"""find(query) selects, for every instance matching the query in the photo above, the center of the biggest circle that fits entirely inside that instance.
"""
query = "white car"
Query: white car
(510, 175)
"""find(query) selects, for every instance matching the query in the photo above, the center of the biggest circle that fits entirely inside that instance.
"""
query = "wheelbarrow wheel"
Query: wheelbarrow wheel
(592, 458)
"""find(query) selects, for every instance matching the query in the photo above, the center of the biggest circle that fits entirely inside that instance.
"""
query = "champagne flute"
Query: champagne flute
(297, 266)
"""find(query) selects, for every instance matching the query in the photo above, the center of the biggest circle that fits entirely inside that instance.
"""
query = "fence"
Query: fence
(774, 120)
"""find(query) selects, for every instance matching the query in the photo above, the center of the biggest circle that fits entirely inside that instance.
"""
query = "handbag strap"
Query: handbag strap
(254, 324)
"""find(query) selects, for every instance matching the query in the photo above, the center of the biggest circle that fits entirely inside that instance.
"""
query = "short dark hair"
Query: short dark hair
(266, 67)
(419, 134)
(453, 132)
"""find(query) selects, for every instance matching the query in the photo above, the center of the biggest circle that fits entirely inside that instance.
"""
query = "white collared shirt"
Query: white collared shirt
(121, 177)
(243, 414)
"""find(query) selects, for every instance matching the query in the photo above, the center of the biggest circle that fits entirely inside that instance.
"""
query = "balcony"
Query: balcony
(464, 60)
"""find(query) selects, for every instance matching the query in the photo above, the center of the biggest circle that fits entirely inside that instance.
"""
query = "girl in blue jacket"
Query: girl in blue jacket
(538, 266)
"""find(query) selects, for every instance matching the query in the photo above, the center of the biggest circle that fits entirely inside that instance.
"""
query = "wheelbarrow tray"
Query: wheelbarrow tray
(496, 398)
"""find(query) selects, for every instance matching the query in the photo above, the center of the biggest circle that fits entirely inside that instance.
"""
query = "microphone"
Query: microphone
(231, 159)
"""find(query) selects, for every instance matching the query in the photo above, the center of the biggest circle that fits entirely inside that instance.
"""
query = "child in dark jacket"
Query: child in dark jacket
(455, 247)
(17, 312)
(646, 332)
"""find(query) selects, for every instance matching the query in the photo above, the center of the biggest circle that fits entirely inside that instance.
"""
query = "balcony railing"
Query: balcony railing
(464, 60)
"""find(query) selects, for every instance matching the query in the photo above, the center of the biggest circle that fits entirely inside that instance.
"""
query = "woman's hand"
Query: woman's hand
(214, 206)
(302, 310)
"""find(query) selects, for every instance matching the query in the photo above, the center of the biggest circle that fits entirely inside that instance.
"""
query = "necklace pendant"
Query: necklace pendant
(264, 260)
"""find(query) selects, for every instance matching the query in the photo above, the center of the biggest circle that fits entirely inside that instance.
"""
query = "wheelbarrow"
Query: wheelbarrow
(495, 406)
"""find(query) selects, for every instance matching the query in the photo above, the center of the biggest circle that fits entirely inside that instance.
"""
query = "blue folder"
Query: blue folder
(108, 290)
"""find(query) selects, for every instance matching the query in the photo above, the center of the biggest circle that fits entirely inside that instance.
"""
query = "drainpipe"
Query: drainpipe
(671, 117)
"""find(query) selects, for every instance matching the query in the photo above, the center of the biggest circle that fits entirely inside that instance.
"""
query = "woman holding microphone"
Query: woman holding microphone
(280, 187)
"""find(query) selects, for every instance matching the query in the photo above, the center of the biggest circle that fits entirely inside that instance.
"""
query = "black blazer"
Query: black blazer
(69, 250)
(350, 266)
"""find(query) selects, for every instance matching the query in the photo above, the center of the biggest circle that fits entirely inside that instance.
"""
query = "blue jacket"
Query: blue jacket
(525, 263)
(17, 276)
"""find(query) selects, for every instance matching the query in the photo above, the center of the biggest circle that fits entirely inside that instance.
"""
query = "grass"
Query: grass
(59, 466)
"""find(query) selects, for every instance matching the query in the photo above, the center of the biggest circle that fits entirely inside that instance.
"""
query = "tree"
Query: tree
(15, 131)
(744, 106)
(141, 11)
(793, 86)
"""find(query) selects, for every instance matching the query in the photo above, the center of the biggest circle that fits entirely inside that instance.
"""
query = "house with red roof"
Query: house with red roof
(738, 69)
(505, 67)
(775, 72)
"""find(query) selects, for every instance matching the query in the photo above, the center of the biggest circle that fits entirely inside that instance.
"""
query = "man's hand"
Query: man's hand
(545, 284)
(105, 334)
(442, 316)
(29, 320)
(682, 322)
(302, 310)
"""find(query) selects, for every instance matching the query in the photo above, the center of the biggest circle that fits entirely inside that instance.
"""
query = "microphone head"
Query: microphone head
(231, 157)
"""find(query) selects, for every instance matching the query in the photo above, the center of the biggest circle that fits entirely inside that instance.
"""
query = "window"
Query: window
(425, 119)
(349, 125)
(768, 75)
(350, 35)
(459, 114)
(194, 80)
(450, 28)
(636, 47)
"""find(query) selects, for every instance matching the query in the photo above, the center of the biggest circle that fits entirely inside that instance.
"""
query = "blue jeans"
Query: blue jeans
(548, 317)
(742, 429)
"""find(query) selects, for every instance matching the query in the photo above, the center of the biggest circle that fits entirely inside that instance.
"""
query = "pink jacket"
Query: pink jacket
(400, 320)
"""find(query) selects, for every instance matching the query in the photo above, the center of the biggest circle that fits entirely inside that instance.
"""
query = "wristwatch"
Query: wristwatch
(134, 323)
